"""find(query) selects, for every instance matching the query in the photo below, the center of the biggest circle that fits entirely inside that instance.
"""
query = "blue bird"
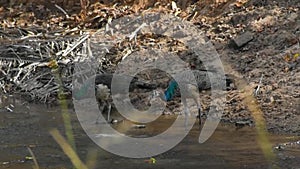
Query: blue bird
(188, 91)
(191, 83)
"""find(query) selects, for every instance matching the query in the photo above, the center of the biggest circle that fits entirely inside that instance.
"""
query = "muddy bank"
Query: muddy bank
(271, 55)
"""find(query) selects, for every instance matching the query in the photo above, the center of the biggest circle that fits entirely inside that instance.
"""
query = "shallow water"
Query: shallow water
(28, 126)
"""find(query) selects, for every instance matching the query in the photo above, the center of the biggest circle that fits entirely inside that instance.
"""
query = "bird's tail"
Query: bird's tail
(170, 91)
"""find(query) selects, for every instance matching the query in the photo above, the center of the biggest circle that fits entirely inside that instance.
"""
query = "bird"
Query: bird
(84, 89)
(102, 84)
(191, 82)
(103, 89)
(103, 98)
(188, 91)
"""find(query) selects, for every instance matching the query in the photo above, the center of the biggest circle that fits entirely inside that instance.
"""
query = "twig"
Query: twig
(127, 54)
(107, 26)
(15, 79)
(195, 14)
(31, 36)
(60, 8)
(77, 44)
(258, 87)
(34, 158)
(134, 33)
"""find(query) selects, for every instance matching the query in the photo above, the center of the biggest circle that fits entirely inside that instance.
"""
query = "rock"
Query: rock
(242, 40)
(280, 147)
(114, 121)
(240, 124)
(140, 126)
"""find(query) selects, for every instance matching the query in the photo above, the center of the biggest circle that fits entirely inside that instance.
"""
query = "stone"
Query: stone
(242, 40)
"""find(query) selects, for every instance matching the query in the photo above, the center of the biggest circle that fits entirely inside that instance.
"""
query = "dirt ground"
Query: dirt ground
(272, 53)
